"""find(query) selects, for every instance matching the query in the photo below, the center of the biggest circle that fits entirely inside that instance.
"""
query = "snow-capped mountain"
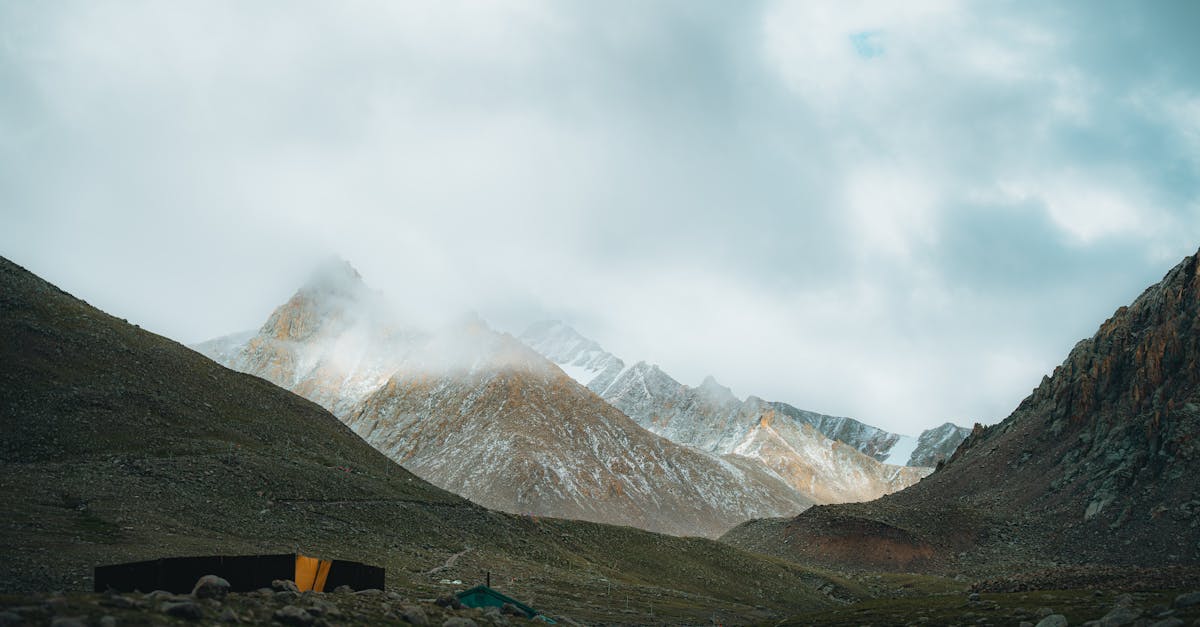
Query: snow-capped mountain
(711, 418)
(480, 414)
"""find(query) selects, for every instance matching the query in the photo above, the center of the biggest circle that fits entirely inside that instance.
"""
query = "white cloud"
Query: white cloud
(726, 189)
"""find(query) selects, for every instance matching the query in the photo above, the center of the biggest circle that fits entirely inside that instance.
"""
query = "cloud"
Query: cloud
(905, 212)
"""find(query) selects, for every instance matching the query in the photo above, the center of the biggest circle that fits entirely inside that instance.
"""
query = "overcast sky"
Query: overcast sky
(906, 212)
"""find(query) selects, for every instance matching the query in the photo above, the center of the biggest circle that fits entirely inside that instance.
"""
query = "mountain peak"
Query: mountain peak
(334, 275)
(715, 391)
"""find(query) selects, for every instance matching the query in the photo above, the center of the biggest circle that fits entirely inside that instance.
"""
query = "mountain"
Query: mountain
(121, 445)
(829, 459)
(478, 413)
(647, 394)
(1097, 465)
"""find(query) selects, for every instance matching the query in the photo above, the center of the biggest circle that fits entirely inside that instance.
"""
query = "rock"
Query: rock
(210, 587)
(512, 610)
(229, 616)
(159, 595)
(973, 597)
(343, 590)
(1169, 622)
(1186, 600)
(1043, 612)
(544, 619)
(395, 596)
(1124, 600)
(108, 621)
(450, 601)
(1159, 611)
(286, 595)
(370, 592)
(9, 618)
(415, 615)
(182, 609)
(1053, 620)
(458, 621)
(69, 621)
(285, 585)
(122, 602)
(1120, 615)
(1025, 623)
(292, 615)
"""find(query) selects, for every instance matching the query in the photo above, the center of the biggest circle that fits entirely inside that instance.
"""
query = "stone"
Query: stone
(511, 610)
(415, 614)
(973, 597)
(69, 621)
(292, 615)
(286, 595)
(285, 585)
(1125, 600)
(458, 621)
(449, 600)
(9, 618)
(370, 592)
(1053, 620)
(1168, 622)
(1025, 623)
(159, 595)
(1186, 600)
(229, 616)
(108, 621)
(119, 601)
(343, 590)
(210, 587)
(182, 609)
(1120, 615)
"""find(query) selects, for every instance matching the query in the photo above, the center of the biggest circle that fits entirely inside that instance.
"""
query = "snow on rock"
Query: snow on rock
(481, 414)
(711, 418)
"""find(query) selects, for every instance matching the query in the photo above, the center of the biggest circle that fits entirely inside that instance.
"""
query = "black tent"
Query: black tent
(243, 572)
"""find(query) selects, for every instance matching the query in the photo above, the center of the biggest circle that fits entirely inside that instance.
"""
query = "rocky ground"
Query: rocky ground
(211, 602)
(1057, 608)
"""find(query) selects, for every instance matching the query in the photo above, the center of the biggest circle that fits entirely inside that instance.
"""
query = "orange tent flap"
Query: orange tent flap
(322, 573)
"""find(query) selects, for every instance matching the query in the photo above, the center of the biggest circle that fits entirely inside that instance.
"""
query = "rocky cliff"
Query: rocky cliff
(1098, 464)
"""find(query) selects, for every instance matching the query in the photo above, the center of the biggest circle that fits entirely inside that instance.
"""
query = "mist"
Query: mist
(905, 214)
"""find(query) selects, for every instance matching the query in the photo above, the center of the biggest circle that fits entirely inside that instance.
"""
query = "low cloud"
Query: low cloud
(906, 213)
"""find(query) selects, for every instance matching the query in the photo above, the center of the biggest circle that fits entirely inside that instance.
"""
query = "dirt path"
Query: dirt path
(449, 562)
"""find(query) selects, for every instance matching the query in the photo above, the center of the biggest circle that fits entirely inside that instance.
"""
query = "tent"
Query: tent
(483, 596)
(243, 572)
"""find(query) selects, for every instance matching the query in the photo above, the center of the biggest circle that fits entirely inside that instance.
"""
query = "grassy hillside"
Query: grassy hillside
(117, 444)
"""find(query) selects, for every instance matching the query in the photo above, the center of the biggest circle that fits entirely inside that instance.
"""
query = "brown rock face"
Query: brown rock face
(1100, 464)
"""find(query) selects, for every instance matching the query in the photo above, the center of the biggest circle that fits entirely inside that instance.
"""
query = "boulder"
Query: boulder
(1053, 620)
(210, 587)
(292, 615)
(285, 585)
(1186, 600)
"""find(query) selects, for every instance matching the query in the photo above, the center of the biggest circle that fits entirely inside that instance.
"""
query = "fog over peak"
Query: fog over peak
(905, 213)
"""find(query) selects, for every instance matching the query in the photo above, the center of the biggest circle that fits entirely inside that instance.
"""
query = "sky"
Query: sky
(905, 212)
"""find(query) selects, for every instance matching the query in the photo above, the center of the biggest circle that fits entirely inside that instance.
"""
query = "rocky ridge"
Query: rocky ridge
(829, 459)
(648, 394)
(1097, 465)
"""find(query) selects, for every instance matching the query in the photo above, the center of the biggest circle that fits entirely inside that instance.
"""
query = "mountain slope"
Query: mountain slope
(698, 415)
(480, 414)
(120, 445)
(1098, 464)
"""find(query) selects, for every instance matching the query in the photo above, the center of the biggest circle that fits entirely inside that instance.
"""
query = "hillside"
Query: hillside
(119, 445)
(1097, 465)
